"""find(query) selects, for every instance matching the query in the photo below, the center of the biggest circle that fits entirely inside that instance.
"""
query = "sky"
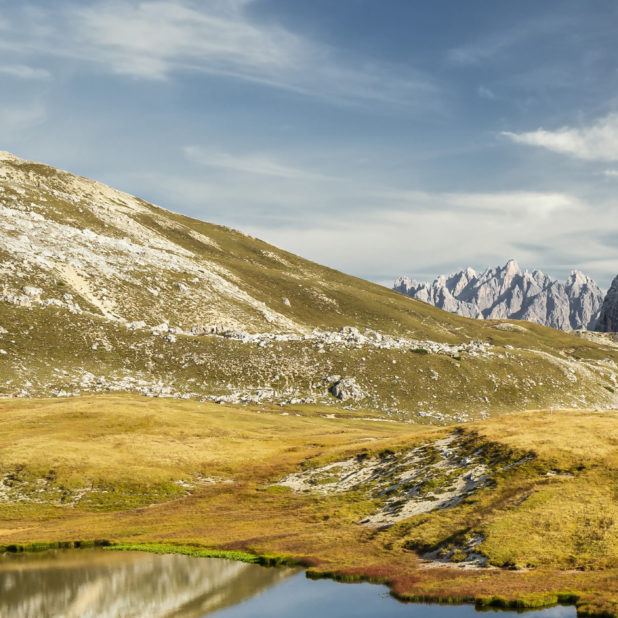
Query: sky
(378, 137)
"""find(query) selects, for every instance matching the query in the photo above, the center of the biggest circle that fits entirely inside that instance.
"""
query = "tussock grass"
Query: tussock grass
(549, 521)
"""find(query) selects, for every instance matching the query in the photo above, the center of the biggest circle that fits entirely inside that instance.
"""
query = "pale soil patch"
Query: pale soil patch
(433, 476)
(206, 240)
(277, 258)
(81, 286)
(510, 327)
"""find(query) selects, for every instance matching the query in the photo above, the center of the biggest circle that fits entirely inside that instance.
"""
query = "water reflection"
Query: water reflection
(94, 583)
(106, 584)
(304, 598)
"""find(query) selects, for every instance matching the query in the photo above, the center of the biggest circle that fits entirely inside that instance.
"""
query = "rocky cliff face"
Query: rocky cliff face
(507, 292)
(608, 318)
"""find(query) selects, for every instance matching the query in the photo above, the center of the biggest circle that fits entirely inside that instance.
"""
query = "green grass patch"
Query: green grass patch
(188, 550)
(268, 559)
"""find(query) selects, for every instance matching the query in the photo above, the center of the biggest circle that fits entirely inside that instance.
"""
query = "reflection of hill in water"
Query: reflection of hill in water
(85, 583)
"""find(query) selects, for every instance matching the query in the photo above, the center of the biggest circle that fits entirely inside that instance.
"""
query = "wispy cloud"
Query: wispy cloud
(597, 142)
(22, 71)
(410, 241)
(156, 39)
(152, 39)
(473, 54)
(255, 164)
(533, 204)
(365, 230)
(489, 46)
(516, 204)
(486, 93)
(15, 119)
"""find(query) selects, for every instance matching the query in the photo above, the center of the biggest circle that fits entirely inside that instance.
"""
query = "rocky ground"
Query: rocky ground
(436, 475)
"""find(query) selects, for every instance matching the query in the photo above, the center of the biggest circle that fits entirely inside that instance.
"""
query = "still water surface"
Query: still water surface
(108, 584)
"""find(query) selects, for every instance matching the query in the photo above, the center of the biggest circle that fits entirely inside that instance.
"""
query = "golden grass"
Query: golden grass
(555, 513)
(564, 436)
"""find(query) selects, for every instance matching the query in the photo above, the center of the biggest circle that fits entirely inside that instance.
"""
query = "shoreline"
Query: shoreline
(480, 602)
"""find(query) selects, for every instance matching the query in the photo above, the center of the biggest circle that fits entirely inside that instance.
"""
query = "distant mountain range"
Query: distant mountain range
(507, 292)
(608, 318)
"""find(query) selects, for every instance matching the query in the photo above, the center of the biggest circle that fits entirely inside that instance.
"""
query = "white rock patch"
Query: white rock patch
(433, 476)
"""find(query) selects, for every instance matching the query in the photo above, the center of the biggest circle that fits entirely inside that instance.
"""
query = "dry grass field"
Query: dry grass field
(197, 477)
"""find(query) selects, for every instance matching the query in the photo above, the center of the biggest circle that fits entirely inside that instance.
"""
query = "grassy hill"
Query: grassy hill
(103, 292)
(348, 453)
(208, 479)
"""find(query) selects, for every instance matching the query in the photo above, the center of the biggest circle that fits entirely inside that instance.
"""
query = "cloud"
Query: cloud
(486, 93)
(514, 204)
(597, 142)
(358, 228)
(371, 244)
(22, 71)
(151, 39)
(610, 173)
(531, 203)
(158, 39)
(485, 48)
(488, 47)
(15, 119)
(255, 164)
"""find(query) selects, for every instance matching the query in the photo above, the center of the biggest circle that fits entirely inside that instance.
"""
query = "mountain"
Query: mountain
(102, 292)
(506, 292)
(608, 318)
(318, 455)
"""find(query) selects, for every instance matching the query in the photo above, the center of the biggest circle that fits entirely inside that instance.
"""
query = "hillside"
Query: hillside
(507, 292)
(103, 292)
(496, 513)
(347, 454)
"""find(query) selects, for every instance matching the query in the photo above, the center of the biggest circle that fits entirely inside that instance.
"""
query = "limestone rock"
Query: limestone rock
(31, 291)
(608, 319)
(346, 389)
(508, 293)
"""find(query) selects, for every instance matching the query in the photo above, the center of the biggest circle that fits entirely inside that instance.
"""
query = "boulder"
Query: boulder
(347, 389)
(31, 291)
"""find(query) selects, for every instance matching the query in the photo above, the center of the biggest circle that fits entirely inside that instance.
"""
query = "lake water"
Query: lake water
(106, 584)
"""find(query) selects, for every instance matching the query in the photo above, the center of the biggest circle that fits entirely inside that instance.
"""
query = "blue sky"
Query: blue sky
(378, 137)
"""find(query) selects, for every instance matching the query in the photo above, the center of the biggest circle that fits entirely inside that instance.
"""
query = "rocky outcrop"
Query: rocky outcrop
(507, 292)
(347, 389)
(608, 319)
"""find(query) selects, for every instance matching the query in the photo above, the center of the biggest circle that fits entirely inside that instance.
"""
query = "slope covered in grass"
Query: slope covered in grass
(199, 475)
(103, 292)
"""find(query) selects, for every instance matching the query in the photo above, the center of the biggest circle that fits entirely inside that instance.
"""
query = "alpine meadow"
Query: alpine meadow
(199, 417)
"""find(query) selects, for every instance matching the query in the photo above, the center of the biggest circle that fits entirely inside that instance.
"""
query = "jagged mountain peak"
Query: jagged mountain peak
(507, 292)
(579, 279)
(511, 268)
(608, 318)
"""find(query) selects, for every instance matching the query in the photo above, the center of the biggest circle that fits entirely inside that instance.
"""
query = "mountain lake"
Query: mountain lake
(109, 584)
